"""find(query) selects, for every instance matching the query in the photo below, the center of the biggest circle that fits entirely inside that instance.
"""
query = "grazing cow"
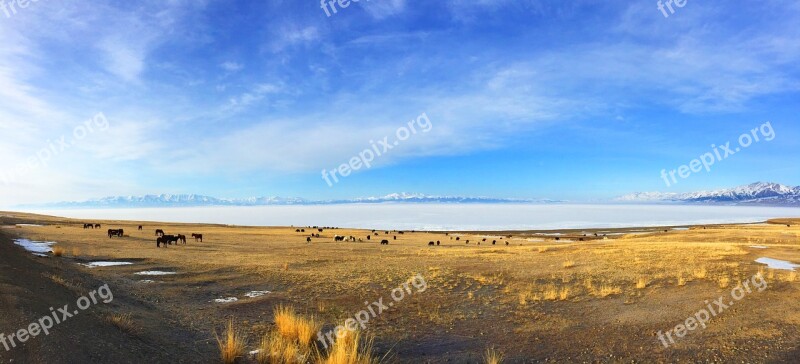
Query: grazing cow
(557, 238)
(96, 226)
(87, 226)
(198, 237)
(384, 242)
(338, 238)
(400, 232)
(580, 239)
(182, 239)
(430, 243)
(302, 230)
(458, 238)
(494, 242)
(159, 241)
(308, 240)
(467, 242)
(395, 237)
(368, 237)
(159, 232)
(320, 230)
(484, 239)
(297, 230)
(376, 234)
(438, 242)
(140, 227)
(506, 243)
(115, 232)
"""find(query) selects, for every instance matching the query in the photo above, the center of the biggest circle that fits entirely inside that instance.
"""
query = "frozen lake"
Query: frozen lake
(446, 216)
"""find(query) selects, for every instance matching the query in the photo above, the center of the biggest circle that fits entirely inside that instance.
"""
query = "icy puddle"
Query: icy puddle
(105, 264)
(254, 294)
(39, 248)
(777, 264)
(154, 273)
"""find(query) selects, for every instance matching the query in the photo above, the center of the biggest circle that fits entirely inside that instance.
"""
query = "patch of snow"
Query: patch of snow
(254, 294)
(758, 247)
(41, 247)
(154, 273)
(226, 300)
(30, 225)
(777, 264)
(147, 281)
(105, 264)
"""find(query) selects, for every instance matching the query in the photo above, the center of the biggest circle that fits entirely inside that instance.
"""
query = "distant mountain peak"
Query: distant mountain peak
(195, 200)
(758, 193)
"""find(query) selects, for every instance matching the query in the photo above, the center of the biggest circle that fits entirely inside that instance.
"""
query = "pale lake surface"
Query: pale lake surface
(445, 216)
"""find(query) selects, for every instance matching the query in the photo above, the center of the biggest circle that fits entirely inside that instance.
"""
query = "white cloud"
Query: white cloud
(232, 66)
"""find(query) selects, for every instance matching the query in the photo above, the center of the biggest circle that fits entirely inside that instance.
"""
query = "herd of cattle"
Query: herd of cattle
(161, 237)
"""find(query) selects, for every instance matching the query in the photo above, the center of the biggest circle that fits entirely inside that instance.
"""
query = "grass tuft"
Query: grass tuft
(492, 356)
(123, 322)
(231, 344)
(58, 250)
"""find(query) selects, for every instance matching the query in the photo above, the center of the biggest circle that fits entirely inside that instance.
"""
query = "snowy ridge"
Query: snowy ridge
(192, 200)
(759, 193)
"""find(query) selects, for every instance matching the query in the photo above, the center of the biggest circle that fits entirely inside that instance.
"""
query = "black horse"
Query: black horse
(166, 239)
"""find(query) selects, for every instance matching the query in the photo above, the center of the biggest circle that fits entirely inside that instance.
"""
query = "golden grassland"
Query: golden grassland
(530, 299)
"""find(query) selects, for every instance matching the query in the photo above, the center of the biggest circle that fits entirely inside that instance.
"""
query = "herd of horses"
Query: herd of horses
(162, 238)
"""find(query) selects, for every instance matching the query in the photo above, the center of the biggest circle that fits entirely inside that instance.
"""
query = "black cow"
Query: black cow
(430, 243)
(96, 226)
(437, 242)
(308, 240)
(338, 238)
(115, 232)
(140, 227)
(198, 237)
(384, 242)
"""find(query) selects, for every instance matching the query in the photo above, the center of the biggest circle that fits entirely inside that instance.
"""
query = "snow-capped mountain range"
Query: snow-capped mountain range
(186, 200)
(759, 193)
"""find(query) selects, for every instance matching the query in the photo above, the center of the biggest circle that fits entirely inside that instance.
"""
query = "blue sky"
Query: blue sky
(579, 100)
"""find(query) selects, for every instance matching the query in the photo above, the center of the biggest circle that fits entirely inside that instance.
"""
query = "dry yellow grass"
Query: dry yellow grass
(352, 348)
(700, 273)
(607, 290)
(641, 283)
(123, 322)
(492, 356)
(292, 326)
(231, 344)
(335, 278)
(58, 250)
(724, 281)
(568, 264)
